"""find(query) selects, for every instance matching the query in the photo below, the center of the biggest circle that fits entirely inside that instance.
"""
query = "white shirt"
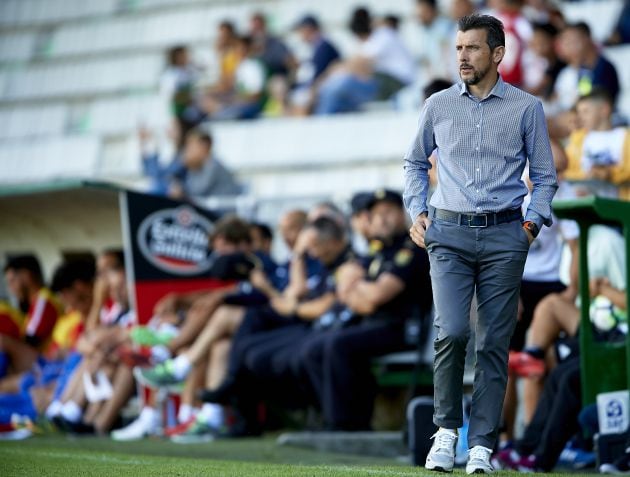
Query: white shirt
(545, 253)
(250, 76)
(390, 56)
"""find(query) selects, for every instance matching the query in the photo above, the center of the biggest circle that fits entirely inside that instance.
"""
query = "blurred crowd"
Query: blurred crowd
(259, 76)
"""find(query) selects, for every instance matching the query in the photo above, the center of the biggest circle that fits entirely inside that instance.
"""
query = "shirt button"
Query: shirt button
(477, 191)
(477, 148)
(477, 169)
(477, 125)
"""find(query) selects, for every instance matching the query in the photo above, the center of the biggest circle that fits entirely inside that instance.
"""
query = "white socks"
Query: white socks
(181, 366)
(54, 409)
(71, 412)
(211, 414)
(160, 353)
(101, 391)
(186, 411)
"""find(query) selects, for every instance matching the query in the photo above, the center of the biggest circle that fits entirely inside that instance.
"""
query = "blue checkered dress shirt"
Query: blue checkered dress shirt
(482, 148)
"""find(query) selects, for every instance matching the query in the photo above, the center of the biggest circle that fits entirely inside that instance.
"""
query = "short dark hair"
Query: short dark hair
(361, 22)
(598, 94)
(495, 35)
(546, 28)
(233, 229)
(67, 273)
(28, 262)
(264, 230)
(431, 3)
(228, 25)
(581, 27)
(202, 135)
(392, 21)
(118, 255)
(436, 86)
(328, 229)
(174, 52)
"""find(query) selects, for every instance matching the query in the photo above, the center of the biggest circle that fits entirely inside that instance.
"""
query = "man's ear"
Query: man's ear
(497, 54)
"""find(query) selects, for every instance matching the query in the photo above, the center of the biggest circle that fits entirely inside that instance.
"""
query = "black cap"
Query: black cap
(385, 195)
(307, 21)
(360, 202)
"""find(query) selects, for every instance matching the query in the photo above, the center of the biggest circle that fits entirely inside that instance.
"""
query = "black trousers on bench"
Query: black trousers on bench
(338, 365)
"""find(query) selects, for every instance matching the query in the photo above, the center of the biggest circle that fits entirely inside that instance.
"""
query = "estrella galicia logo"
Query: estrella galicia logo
(176, 241)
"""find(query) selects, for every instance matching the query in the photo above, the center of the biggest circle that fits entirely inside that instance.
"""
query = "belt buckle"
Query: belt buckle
(485, 216)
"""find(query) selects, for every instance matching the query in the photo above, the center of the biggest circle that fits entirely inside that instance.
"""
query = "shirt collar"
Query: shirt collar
(498, 90)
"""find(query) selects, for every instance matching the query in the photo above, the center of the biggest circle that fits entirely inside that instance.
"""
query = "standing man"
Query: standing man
(484, 131)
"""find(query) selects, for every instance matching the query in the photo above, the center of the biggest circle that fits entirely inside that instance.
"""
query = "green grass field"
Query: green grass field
(54, 455)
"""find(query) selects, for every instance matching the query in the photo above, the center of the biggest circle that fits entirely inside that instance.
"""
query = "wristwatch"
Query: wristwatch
(531, 227)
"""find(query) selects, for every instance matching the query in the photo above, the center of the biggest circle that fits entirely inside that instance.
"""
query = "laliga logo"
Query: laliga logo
(176, 241)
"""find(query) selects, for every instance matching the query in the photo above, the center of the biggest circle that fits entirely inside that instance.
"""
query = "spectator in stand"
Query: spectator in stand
(205, 175)
(269, 49)
(621, 33)
(246, 99)
(25, 282)
(557, 313)
(518, 33)
(586, 67)
(381, 68)
(159, 174)
(459, 9)
(360, 222)
(262, 238)
(599, 152)
(541, 277)
(541, 64)
(177, 88)
(310, 73)
(434, 40)
(543, 12)
(226, 49)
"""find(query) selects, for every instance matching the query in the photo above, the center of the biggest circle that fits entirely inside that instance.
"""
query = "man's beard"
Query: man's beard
(478, 75)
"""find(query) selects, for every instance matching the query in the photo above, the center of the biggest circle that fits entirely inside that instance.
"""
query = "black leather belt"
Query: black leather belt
(478, 220)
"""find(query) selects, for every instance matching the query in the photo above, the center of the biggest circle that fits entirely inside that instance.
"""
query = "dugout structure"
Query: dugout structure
(604, 366)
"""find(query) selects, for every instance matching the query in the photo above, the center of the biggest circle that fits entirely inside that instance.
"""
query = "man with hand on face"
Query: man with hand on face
(484, 131)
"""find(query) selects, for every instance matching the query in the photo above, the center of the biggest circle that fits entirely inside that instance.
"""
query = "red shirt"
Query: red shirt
(41, 318)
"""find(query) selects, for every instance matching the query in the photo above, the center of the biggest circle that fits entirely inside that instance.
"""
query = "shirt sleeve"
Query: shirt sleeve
(542, 171)
(41, 321)
(417, 164)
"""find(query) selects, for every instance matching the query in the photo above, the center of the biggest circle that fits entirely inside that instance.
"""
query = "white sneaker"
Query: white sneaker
(479, 461)
(441, 457)
(146, 425)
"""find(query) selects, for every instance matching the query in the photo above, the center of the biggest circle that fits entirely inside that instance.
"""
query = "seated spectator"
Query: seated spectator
(246, 99)
(226, 49)
(269, 49)
(541, 64)
(518, 33)
(599, 152)
(205, 175)
(177, 88)
(541, 277)
(554, 422)
(393, 286)
(621, 32)
(25, 282)
(586, 67)
(312, 71)
(433, 40)
(557, 313)
(160, 175)
(101, 385)
(212, 345)
(72, 282)
(381, 68)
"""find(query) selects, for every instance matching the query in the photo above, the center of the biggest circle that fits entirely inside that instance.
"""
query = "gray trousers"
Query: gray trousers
(489, 260)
